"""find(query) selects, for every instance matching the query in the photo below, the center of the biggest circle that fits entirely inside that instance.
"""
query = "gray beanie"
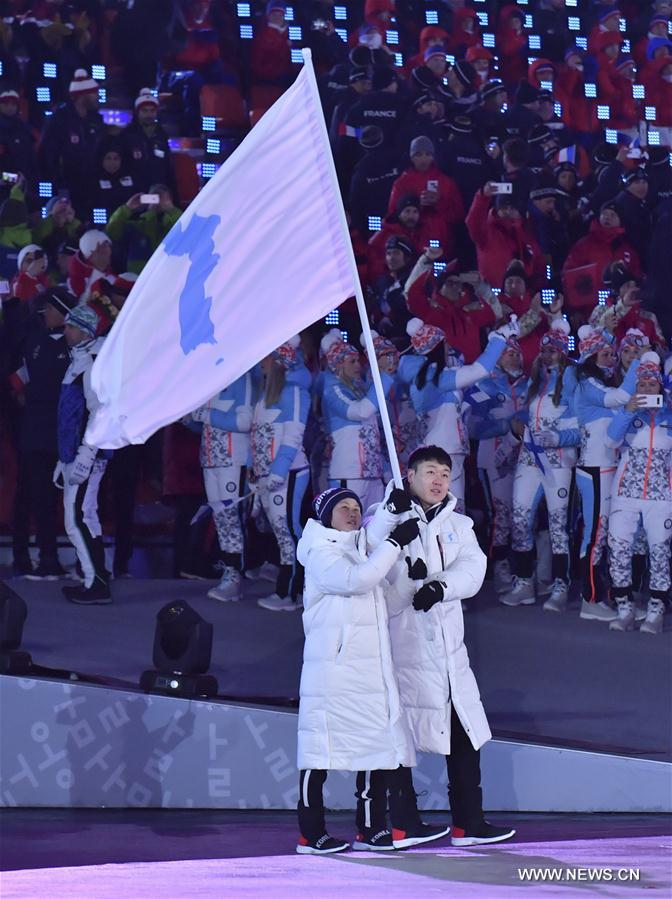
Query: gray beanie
(421, 144)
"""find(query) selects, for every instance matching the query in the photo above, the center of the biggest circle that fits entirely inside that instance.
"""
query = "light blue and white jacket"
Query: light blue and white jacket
(439, 406)
(225, 438)
(276, 436)
(492, 404)
(543, 415)
(645, 468)
(595, 406)
(351, 421)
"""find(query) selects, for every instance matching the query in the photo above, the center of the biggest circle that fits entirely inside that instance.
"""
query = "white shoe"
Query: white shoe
(502, 576)
(557, 601)
(655, 612)
(229, 589)
(265, 572)
(626, 616)
(597, 611)
(522, 593)
(275, 603)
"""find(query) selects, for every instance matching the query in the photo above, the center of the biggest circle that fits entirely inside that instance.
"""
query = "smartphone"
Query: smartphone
(4, 287)
(433, 186)
(10, 177)
(434, 244)
(635, 153)
(547, 295)
(492, 146)
(150, 199)
(502, 187)
(650, 400)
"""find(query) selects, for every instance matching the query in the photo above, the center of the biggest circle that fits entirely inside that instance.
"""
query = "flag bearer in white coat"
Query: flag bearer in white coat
(437, 686)
(350, 716)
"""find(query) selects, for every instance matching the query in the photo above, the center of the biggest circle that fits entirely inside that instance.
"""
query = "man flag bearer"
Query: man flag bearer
(437, 686)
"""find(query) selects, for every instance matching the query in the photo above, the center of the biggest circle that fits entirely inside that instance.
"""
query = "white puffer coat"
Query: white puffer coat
(350, 717)
(430, 659)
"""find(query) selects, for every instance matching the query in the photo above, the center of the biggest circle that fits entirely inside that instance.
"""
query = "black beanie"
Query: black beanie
(326, 502)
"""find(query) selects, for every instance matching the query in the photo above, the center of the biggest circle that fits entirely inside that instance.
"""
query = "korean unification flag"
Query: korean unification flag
(260, 254)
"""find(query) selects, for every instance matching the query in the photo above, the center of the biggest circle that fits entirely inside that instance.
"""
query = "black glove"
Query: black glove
(398, 501)
(416, 571)
(405, 532)
(427, 596)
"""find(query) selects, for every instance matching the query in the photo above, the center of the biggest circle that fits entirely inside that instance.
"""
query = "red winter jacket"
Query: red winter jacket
(430, 227)
(578, 111)
(600, 247)
(616, 91)
(449, 206)
(460, 40)
(498, 241)
(462, 326)
(511, 47)
(25, 287)
(659, 92)
(530, 345)
(271, 55)
(82, 276)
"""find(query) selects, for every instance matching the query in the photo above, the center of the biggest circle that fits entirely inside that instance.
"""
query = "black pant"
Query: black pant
(36, 493)
(464, 777)
(371, 792)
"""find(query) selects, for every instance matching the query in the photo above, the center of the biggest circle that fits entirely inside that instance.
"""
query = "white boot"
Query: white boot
(597, 611)
(502, 576)
(557, 601)
(522, 593)
(229, 589)
(653, 623)
(626, 615)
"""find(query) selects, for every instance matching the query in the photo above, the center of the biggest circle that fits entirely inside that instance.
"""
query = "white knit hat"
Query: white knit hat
(82, 83)
(146, 98)
(29, 248)
(90, 240)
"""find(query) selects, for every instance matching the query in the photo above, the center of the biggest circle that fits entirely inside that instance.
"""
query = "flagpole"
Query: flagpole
(359, 296)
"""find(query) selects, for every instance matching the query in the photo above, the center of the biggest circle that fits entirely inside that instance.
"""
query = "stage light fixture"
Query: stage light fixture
(13, 613)
(182, 653)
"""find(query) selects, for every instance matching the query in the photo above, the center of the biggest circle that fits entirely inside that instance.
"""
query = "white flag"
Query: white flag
(260, 254)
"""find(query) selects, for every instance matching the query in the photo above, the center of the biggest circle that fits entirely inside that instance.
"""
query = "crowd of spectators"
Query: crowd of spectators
(519, 154)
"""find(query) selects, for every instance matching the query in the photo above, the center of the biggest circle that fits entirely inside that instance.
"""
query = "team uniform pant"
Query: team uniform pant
(82, 525)
(594, 487)
(624, 520)
(36, 493)
(283, 510)
(498, 489)
(224, 487)
(529, 487)
(369, 490)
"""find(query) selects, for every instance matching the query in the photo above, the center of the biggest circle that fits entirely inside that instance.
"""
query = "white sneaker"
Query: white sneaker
(626, 616)
(597, 611)
(522, 593)
(277, 603)
(557, 601)
(655, 612)
(265, 572)
(502, 576)
(229, 589)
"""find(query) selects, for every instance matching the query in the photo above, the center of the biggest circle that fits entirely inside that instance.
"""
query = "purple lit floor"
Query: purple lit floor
(65, 854)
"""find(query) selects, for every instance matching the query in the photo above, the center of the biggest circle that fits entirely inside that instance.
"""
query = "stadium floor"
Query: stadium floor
(72, 854)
